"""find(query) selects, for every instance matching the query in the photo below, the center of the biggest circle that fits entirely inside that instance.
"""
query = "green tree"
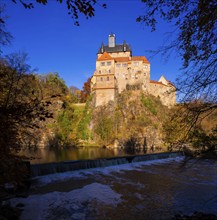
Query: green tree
(20, 106)
(104, 125)
(148, 103)
(64, 128)
(104, 129)
(181, 126)
(52, 85)
(83, 130)
(75, 93)
(175, 127)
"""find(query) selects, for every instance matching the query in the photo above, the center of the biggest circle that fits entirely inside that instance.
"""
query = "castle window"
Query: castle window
(102, 63)
(135, 63)
(109, 63)
(107, 78)
(124, 65)
(109, 71)
(146, 66)
(118, 65)
(101, 79)
(99, 71)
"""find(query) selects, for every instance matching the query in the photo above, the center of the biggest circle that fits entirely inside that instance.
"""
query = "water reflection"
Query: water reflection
(84, 153)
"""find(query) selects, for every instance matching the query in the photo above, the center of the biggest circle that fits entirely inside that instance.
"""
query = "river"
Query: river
(82, 153)
(152, 190)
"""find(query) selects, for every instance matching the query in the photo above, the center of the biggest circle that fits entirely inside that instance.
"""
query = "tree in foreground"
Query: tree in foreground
(75, 7)
(20, 108)
(182, 129)
(194, 39)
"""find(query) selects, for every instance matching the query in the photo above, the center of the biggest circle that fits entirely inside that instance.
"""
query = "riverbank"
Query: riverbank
(158, 189)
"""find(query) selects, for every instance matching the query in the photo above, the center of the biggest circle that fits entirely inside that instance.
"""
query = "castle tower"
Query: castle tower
(111, 40)
(104, 81)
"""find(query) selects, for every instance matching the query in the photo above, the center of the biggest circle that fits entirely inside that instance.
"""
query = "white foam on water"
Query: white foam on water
(188, 194)
(83, 174)
(70, 205)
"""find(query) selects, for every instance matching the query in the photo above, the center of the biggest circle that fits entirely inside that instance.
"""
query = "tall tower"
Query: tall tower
(111, 40)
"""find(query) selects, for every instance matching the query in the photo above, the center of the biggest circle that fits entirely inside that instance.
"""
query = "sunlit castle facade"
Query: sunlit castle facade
(117, 70)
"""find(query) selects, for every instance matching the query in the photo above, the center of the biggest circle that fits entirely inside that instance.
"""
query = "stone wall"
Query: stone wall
(166, 93)
(118, 71)
(103, 96)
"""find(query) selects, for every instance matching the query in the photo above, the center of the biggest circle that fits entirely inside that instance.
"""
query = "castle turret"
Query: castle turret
(102, 48)
(124, 46)
(111, 40)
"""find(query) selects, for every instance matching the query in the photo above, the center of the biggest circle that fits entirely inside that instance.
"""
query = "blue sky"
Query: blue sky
(54, 44)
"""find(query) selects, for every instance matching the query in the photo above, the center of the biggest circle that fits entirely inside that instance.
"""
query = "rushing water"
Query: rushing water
(150, 190)
(84, 153)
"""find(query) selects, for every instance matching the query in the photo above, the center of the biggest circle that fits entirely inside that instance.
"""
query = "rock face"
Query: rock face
(117, 70)
(40, 135)
(134, 121)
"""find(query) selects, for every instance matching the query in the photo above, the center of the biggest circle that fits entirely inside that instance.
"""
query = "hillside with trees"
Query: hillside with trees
(41, 111)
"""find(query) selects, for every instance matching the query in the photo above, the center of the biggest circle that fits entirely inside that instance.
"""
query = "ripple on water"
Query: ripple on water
(146, 190)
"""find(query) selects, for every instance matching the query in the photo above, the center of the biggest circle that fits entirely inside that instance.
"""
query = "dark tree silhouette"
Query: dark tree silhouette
(75, 7)
(195, 40)
(21, 111)
(5, 36)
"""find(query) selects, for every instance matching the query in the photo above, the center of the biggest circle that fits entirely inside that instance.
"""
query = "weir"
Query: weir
(49, 168)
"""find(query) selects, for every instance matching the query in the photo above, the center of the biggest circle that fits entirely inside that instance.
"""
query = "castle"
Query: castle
(117, 70)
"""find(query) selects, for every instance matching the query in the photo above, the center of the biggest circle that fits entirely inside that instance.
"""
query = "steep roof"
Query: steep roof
(127, 59)
(156, 82)
(165, 81)
(117, 48)
(121, 59)
(105, 56)
(160, 83)
(140, 58)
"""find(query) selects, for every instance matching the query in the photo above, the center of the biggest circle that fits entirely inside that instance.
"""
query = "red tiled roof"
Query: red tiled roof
(105, 56)
(156, 82)
(140, 58)
(121, 59)
(160, 83)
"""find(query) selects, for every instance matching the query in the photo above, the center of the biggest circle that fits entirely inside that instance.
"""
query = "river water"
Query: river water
(83, 153)
(149, 190)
